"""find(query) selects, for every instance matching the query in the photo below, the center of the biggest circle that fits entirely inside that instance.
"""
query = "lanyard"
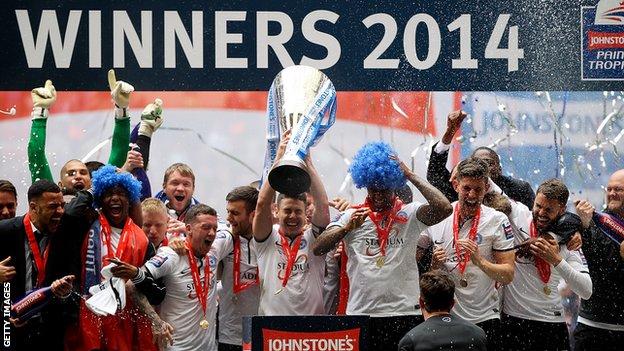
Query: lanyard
(543, 268)
(201, 288)
(40, 260)
(238, 286)
(291, 255)
(472, 234)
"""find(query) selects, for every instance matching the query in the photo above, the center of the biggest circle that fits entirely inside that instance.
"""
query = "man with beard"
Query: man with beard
(291, 277)
(601, 317)
(440, 177)
(24, 240)
(240, 295)
(533, 311)
(380, 239)
(177, 194)
(112, 236)
(472, 244)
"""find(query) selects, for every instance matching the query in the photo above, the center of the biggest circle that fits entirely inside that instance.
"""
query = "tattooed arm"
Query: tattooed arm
(161, 330)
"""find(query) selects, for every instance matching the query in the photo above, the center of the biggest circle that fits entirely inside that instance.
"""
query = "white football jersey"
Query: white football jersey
(303, 295)
(479, 301)
(232, 307)
(527, 297)
(393, 288)
(181, 308)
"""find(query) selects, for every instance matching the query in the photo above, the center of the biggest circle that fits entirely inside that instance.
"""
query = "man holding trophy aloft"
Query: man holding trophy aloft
(301, 107)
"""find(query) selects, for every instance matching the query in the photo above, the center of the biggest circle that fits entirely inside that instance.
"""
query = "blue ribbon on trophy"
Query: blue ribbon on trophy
(610, 225)
(303, 99)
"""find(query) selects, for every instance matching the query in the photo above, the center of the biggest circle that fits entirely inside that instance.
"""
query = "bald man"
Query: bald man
(601, 320)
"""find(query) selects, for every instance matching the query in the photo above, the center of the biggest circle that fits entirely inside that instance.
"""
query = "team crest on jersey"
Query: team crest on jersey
(401, 216)
(303, 244)
(508, 230)
(222, 234)
(479, 238)
(212, 260)
(158, 260)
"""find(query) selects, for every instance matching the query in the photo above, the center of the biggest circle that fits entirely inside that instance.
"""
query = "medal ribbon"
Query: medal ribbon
(124, 237)
(40, 260)
(377, 218)
(201, 289)
(291, 254)
(543, 268)
(472, 234)
(238, 286)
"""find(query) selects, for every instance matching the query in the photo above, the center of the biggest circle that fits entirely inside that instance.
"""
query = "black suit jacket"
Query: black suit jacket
(439, 176)
(12, 240)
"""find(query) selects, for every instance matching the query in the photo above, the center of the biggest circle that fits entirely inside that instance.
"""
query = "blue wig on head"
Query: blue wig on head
(372, 167)
(107, 177)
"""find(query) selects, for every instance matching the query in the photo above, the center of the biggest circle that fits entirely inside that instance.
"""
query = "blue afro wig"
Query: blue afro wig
(107, 177)
(372, 167)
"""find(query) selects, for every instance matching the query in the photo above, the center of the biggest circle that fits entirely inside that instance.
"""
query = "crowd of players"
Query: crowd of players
(491, 253)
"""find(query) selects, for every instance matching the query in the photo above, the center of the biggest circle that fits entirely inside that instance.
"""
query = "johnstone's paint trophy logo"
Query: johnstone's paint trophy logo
(602, 43)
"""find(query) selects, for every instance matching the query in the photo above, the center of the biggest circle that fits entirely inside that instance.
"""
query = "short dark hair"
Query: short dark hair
(198, 210)
(437, 291)
(485, 148)
(245, 193)
(7, 187)
(93, 166)
(554, 189)
(41, 186)
(472, 167)
(301, 197)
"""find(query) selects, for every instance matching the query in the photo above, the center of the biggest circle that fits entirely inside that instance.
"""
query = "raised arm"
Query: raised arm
(332, 235)
(43, 98)
(438, 206)
(120, 92)
(263, 219)
(437, 173)
(320, 217)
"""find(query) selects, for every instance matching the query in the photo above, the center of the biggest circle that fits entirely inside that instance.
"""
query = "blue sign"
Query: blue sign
(603, 41)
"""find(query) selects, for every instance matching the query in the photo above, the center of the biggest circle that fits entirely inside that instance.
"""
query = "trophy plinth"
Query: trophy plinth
(290, 177)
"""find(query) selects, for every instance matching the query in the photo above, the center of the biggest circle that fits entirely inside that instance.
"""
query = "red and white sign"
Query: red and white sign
(279, 340)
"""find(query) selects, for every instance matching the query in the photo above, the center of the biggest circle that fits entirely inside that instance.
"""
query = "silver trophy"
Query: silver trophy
(302, 99)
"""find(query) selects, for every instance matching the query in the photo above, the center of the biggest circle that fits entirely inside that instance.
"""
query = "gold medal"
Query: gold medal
(547, 290)
(279, 291)
(463, 282)
(381, 260)
(204, 324)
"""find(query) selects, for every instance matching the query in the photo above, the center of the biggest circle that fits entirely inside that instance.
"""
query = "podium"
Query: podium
(290, 333)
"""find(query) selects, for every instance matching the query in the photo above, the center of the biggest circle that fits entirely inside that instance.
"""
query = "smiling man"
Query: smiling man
(240, 295)
(190, 280)
(380, 240)
(177, 194)
(601, 320)
(532, 301)
(471, 244)
(113, 235)
(25, 240)
(291, 277)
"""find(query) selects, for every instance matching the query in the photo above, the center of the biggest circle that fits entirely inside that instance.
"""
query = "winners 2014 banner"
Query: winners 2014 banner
(362, 45)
